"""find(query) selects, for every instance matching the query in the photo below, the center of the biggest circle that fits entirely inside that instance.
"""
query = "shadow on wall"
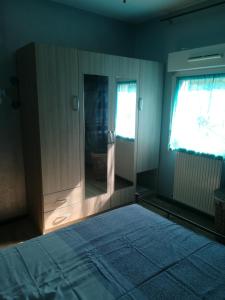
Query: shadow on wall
(22, 22)
(12, 183)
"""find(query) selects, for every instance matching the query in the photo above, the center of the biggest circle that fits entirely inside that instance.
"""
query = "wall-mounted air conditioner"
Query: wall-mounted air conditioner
(199, 58)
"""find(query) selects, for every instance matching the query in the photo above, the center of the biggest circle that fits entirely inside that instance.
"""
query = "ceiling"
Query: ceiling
(133, 10)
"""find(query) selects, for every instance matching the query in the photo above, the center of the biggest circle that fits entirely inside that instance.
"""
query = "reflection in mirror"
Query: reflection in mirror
(96, 128)
(125, 134)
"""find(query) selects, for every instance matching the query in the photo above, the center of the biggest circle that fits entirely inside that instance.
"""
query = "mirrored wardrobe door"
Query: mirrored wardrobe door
(96, 112)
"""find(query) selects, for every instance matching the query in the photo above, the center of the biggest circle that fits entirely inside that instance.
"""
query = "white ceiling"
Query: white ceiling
(134, 10)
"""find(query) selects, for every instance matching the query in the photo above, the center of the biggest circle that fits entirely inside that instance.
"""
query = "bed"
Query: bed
(127, 253)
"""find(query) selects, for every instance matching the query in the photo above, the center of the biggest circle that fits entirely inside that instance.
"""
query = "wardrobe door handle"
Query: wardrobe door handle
(61, 219)
(61, 201)
(111, 137)
(140, 104)
(75, 103)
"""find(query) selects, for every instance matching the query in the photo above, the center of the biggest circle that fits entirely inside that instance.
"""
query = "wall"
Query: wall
(12, 192)
(43, 21)
(155, 40)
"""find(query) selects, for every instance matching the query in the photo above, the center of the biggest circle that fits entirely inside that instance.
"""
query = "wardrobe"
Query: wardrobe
(90, 123)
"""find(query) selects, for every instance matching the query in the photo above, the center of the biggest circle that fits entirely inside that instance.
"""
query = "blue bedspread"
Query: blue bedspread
(127, 253)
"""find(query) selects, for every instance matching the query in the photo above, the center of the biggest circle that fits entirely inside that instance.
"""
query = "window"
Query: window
(198, 121)
(126, 109)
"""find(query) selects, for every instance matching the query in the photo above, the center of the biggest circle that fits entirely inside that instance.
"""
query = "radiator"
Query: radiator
(195, 179)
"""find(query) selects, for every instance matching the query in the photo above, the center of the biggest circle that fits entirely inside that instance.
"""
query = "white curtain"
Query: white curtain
(198, 122)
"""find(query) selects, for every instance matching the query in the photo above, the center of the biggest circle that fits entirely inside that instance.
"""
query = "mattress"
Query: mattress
(127, 253)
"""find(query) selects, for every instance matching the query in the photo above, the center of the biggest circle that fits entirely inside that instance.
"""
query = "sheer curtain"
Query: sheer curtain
(126, 110)
(198, 121)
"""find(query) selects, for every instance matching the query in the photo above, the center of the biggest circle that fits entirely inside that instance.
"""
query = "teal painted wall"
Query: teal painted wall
(155, 40)
(44, 21)
(24, 21)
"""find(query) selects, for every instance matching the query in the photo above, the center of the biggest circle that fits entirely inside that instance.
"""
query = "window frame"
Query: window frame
(174, 78)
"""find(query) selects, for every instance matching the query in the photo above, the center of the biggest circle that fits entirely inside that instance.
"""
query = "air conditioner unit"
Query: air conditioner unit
(199, 58)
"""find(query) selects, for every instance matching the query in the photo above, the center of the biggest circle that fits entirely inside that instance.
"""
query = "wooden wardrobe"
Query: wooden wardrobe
(52, 110)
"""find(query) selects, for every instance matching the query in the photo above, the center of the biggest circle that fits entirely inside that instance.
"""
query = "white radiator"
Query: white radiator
(195, 180)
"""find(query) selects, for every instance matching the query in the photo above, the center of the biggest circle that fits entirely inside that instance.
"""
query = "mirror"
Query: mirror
(125, 128)
(96, 129)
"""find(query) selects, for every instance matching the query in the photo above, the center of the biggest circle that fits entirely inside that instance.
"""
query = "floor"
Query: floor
(16, 231)
(94, 187)
(121, 183)
(188, 213)
(95, 184)
(22, 229)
